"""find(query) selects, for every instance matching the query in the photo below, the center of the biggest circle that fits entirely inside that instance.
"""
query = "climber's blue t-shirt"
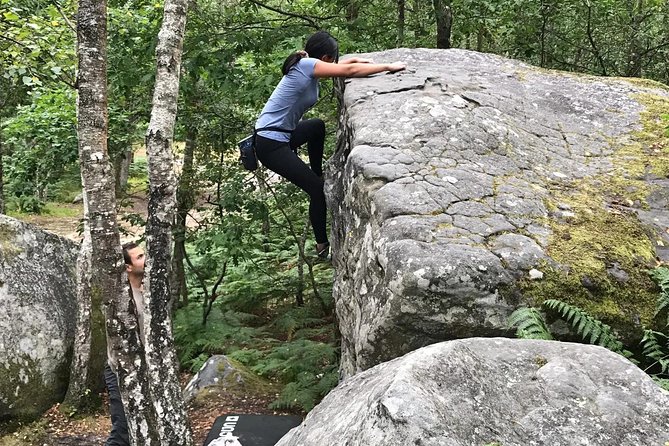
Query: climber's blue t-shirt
(295, 94)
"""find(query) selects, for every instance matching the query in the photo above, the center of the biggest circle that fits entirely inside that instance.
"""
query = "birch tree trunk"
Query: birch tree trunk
(108, 282)
(89, 354)
(173, 428)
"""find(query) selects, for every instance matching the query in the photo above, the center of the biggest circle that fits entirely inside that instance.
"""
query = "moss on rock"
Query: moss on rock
(602, 230)
(235, 379)
(25, 394)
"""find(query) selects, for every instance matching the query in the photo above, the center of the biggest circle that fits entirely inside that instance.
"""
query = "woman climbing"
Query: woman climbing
(279, 131)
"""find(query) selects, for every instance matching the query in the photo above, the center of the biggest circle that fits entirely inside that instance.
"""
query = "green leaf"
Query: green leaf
(11, 16)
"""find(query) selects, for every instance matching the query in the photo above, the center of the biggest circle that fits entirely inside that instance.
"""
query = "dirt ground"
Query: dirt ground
(57, 429)
(68, 226)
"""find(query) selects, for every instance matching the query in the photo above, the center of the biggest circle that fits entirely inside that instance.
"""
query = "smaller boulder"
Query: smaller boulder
(78, 199)
(493, 391)
(220, 374)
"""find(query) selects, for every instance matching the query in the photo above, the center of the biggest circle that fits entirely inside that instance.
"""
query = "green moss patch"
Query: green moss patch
(602, 230)
(23, 388)
(24, 435)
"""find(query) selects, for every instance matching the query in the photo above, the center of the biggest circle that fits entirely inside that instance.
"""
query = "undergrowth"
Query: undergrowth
(257, 295)
(530, 323)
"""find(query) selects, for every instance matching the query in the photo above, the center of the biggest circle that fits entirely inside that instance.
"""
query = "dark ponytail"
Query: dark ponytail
(291, 60)
(318, 45)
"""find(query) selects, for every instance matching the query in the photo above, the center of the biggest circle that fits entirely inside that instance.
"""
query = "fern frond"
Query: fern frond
(590, 329)
(661, 277)
(653, 349)
(529, 324)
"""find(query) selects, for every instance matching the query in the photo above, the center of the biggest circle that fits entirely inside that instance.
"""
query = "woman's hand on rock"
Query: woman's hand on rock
(396, 66)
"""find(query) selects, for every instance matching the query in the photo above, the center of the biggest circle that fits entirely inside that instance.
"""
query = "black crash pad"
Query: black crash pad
(250, 430)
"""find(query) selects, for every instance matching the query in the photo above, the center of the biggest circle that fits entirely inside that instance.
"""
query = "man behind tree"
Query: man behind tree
(133, 255)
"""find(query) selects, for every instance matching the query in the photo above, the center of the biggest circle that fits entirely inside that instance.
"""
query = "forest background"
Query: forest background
(244, 281)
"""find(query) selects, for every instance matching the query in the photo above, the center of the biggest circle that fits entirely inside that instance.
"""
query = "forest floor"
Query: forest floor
(56, 428)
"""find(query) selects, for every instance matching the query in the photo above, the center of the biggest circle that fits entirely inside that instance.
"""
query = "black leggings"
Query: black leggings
(281, 157)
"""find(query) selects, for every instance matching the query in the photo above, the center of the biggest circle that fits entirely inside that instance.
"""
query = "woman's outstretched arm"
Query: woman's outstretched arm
(355, 60)
(355, 69)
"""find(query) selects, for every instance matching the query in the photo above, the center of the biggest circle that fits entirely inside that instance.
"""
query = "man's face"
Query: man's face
(137, 259)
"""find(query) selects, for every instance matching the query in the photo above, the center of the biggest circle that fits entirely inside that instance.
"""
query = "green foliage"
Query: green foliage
(529, 324)
(306, 366)
(590, 329)
(42, 141)
(309, 368)
(655, 347)
(196, 342)
(661, 277)
(265, 326)
(26, 204)
(37, 48)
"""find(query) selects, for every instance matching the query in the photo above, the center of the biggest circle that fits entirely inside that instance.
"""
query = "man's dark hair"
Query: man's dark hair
(126, 255)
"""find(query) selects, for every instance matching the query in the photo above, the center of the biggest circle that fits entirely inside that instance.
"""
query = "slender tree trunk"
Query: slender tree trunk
(401, 9)
(417, 15)
(2, 181)
(161, 357)
(591, 39)
(635, 50)
(299, 294)
(122, 171)
(89, 355)
(545, 10)
(108, 283)
(352, 10)
(185, 201)
(266, 223)
(444, 19)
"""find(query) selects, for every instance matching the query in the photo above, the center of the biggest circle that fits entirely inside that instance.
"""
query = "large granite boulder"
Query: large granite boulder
(498, 391)
(470, 185)
(37, 321)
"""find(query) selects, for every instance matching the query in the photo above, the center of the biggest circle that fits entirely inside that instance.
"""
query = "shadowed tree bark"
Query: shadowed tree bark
(444, 19)
(2, 181)
(173, 428)
(90, 355)
(352, 10)
(185, 202)
(107, 281)
(401, 8)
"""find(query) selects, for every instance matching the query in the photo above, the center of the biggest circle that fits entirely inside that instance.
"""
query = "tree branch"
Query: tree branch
(595, 50)
(300, 248)
(309, 19)
(16, 42)
(62, 14)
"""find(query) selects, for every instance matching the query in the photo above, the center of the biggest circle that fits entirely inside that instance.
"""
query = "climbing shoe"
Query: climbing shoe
(324, 252)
